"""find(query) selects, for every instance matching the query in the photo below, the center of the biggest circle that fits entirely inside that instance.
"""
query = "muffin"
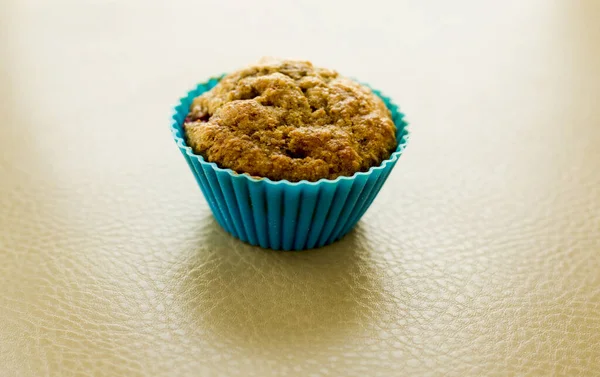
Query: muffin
(288, 156)
(288, 120)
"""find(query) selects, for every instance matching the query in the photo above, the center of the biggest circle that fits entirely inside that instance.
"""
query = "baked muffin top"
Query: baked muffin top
(284, 119)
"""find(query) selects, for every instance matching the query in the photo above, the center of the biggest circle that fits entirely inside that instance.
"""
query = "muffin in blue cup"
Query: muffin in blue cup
(288, 156)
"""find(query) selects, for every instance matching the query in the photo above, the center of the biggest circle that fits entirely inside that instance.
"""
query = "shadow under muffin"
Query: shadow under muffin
(250, 297)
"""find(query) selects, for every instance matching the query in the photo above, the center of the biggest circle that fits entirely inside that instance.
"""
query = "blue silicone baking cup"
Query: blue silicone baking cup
(282, 214)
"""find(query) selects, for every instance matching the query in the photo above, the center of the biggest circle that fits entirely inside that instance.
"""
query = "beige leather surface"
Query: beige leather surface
(480, 257)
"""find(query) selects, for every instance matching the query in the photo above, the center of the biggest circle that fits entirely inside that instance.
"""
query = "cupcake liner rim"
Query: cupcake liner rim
(180, 140)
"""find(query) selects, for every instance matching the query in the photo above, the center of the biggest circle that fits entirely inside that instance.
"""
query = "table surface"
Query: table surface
(481, 255)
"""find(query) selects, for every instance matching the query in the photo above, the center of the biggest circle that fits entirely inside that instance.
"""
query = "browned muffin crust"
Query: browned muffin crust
(290, 120)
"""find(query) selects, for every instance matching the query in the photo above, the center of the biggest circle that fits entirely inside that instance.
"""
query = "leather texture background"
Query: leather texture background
(480, 257)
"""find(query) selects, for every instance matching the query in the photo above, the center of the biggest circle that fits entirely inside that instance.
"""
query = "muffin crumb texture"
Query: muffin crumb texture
(290, 120)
